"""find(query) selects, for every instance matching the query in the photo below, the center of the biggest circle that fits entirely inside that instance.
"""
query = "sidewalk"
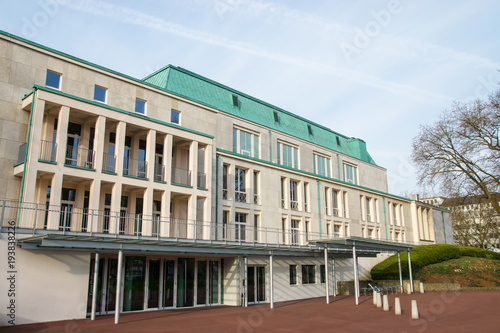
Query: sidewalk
(439, 312)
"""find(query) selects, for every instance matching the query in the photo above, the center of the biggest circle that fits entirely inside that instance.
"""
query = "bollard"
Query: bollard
(397, 306)
(408, 288)
(375, 297)
(386, 303)
(414, 309)
(421, 287)
(379, 300)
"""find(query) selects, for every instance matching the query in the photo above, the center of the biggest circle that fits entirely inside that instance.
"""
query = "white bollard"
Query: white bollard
(421, 287)
(414, 309)
(397, 306)
(408, 288)
(386, 303)
(375, 297)
(379, 300)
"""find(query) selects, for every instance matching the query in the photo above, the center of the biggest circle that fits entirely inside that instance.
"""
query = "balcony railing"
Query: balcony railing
(21, 155)
(294, 205)
(240, 196)
(336, 212)
(181, 176)
(109, 163)
(224, 194)
(159, 172)
(135, 168)
(79, 157)
(202, 180)
(48, 151)
(256, 199)
(66, 219)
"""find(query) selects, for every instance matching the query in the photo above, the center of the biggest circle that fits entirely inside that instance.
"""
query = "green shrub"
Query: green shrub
(425, 255)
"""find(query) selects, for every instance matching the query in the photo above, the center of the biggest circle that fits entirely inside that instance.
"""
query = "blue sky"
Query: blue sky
(375, 70)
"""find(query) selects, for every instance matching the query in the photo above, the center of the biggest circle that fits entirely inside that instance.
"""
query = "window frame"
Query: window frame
(308, 274)
(326, 164)
(293, 275)
(59, 75)
(176, 112)
(253, 140)
(355, 177)
(285, 149)
(143, 105)
(104, 89)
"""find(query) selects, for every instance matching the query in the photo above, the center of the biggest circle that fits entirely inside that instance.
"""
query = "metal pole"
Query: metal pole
(355, 261)
(327, 284)
(271, 281)
(409, 267)
(400, 272)
(334, 279)
(94, 287)
(119, 278)
(245, 284)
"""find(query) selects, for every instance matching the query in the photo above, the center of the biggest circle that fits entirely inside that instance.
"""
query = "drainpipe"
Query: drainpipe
(26, 156)
(319, 209)
(385, 218)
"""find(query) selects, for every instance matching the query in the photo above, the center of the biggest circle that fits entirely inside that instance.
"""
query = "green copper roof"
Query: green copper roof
(213, 94)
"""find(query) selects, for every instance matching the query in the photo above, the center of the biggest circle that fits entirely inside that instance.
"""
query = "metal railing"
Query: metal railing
(224, 194)
(201, 180)
(240, 196)
(135, 168)
(47, 151)
(79, 157)
(294, 205)
(49, 219)
(336, 212)
(109, 163)
(181, 176)
(159, 172)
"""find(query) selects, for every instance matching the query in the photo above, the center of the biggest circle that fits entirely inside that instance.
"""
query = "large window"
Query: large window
(308, 274)
(294, 197)
(322, 274)
(295, 232)
(239, 185)
(53, 79)
(336, 203)
(350, 173)
(240, 221)
(293, 275)
(245, 143)
(288, 155)
(321, 165)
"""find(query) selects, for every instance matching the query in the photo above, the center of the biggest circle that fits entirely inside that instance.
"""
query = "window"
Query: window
(140, 106)
(294, 198)
(245, 143)
(321, 165)
(308, 274)
(294, 232)
(239, 185)
(240, 221)
(369, 216)
(100, 94)
(336, 203)
(53, 79)
(256, 228)
(322, 274)
(293, 275)
(255, 187)
(288, 155)
(236, 102)
(350, 174)
(224, 182)
(283, 193)
(276, 117)
(336, 229)
(306, 195)
(309, 129)
(175, 117)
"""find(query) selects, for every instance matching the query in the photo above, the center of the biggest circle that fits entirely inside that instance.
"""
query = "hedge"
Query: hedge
(425, 255)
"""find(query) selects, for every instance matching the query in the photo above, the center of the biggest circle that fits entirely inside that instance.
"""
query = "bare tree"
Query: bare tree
(460, 153)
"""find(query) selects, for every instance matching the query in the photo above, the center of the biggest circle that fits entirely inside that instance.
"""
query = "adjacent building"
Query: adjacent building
(177, 191)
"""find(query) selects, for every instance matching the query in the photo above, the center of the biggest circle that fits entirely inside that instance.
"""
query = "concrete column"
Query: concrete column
(411, 274)
(165, 214)
(271, 282)
(62, 135)
(121, 129)
(95, 195)
(55, 200)
(193, 163)
(94, 286)
(150, 154)
(355, 264)
(334, 278)
(116, 199)
(119, 281)
(400, 272)
(167, 157)
(99, 134)
(147, 213)
(327, 284)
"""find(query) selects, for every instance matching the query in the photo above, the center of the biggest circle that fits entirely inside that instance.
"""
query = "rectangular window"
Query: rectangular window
(321, 165)
(308, 274)
(175, 117)
(350, 174)
(240, 221)
(322, 274)
(245, 143)
(255, 187)
(288, 155)
(369, 216)
(295, 232)
(224, 182)
(306, 195)
(336, 203)
(293, 275)
(100, 94)
(239, 185)
(140, 106)
(53, 79)
(294, 197)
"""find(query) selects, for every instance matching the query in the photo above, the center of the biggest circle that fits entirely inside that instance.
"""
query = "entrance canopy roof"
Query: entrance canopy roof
(366, 244)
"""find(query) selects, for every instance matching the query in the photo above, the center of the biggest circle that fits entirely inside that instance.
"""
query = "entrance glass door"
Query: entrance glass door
(251, 284)
(168, 283)
(256, 284)
(111, 286)
(133, 296)
(185, 282)
(261, 284)
(153, 283)
(201, 285)
(214, 282)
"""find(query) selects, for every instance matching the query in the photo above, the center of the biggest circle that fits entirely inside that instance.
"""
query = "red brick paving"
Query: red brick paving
(439, 312)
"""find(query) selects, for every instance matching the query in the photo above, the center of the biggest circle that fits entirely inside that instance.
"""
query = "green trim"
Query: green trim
(47, 162)
(77, 167)
(313, 175)
(17, 164)
(444, 227)
(385, 219)
(134, 177)
(109, 173)
(181, 185)
(159, 181)
(26, 156)
(134, 114)
(202, 189)
(319, 208)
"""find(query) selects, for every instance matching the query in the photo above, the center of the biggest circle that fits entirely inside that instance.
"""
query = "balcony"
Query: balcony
(294, 205)
(135, 168)
(79, 157)
(47, 151)
(21, 155)
(109, 163)
(240, 196)
(201, 180)
(181, 176)
(159, 172)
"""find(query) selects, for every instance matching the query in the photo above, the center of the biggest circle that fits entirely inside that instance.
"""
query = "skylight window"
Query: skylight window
(338, 141)
(236, 102)
(276, 117)
(309, 128)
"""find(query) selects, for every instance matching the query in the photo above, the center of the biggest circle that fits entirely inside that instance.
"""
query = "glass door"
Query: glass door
(168, 283)
(111, 286)
(153, 283)
(214, 282)
(261, 284)
(185, 282)
(251, 284)
(201, 284)
(133, 293)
